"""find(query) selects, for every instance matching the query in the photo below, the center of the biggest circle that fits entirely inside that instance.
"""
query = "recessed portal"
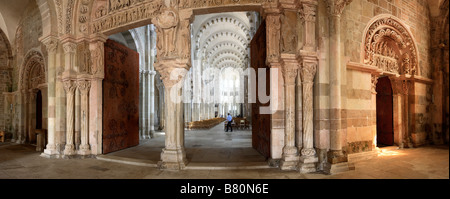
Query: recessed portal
(385, 122)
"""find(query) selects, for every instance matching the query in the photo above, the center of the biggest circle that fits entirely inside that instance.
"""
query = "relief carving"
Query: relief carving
(273, 32)
(97, 64)
(166, 31)
(289, 33)
(185, 43)
(122, 17)
(83, 58)
(390, 47)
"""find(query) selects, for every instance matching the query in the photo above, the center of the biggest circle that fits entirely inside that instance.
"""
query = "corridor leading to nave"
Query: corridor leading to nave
(217, 83)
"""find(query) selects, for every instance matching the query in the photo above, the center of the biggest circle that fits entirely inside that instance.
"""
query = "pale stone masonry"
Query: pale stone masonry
(329, 55)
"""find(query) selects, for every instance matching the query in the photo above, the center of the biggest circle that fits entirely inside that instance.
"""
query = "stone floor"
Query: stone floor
(214, 155)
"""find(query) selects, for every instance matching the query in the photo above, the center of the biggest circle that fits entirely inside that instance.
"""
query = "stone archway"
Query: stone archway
(388, 45)
(32, 79)
(90, 21)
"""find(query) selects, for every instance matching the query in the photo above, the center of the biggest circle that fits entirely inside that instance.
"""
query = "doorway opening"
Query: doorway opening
(39, 110)
(385, 113)
(219, 76)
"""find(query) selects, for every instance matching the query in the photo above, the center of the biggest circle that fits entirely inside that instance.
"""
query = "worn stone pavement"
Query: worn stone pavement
(19, 161)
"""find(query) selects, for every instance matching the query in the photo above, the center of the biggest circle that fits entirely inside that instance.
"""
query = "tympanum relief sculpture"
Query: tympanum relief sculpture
(389, 46)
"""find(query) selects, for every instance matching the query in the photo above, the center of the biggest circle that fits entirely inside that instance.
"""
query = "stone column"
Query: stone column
(145, 112)
(51, 44)
(141, 104)
(152, 104)
(398, 111)
(373, 119)
(173, 43)
(407, 139)
(69, 87)
(308, 157)
(84, 87)
(96, 46)
(173, 155)
(23, 118)
(290, 156)
(335, 9)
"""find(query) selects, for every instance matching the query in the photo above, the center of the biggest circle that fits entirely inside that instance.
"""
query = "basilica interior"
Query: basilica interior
(312, 85)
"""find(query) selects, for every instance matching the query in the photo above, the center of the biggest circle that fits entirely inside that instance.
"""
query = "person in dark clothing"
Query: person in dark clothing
(229, 120)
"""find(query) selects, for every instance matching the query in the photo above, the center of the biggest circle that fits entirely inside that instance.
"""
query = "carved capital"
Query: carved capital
(290, 72)
(308, 11)
(69, 86)
(69, 47)
(336, 7)
(84, 86)
(308, 71)
(51, 44)
(172, 71)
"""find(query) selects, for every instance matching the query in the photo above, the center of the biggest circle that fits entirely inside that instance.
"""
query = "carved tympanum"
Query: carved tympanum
(389, 46)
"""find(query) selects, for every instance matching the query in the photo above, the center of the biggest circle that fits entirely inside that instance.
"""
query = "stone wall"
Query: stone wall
(5, 78)
(422, 124)
(361, 112)
(27, 38)
(414, 13)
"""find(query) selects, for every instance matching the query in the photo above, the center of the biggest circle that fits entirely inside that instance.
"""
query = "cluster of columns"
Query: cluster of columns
(298, 68)
(74, 97)
(147, 75)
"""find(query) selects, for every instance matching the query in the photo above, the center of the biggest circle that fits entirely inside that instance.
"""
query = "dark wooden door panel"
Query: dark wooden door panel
(385, 120)
(120, 98)
(260, 123)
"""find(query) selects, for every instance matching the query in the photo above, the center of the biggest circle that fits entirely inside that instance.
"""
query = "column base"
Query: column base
(152, 134)
(308, 164)
(274, 162)
(173, 159)
(338, 168)
(84, 150)
(69, 150)
(50, 152)
(289, 162)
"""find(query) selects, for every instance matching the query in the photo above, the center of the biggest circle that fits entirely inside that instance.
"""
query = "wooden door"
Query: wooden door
(39, 110)
(385, 114)
(260, 122)
(120, 98)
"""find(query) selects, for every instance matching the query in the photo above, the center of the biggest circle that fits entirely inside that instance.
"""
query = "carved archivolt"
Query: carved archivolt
(389, 46)
(33, 71)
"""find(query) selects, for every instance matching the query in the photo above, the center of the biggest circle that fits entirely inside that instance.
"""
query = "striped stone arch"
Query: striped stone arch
(389, 45)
